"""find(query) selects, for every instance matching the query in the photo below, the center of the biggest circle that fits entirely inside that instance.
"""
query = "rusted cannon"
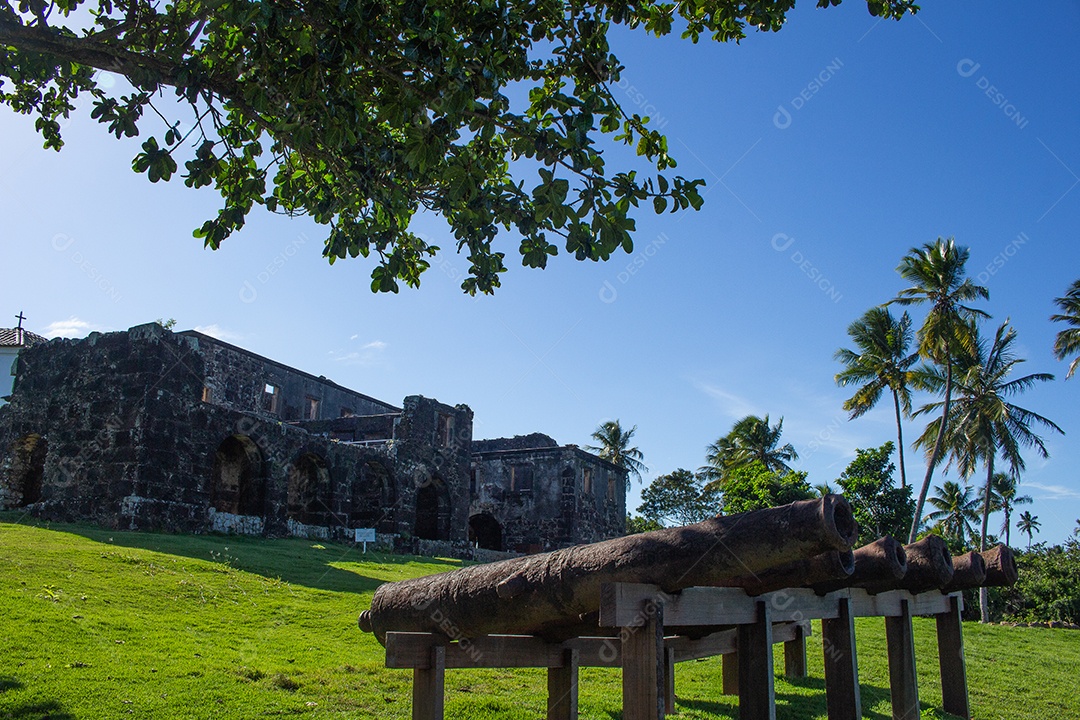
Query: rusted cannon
(883, 560)
(929, 567)
(1000, 567)
(969, 572)
(543, 594)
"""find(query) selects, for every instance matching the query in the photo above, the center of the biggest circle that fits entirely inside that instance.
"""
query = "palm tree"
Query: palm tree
(1029, 524)
(883, 361)
(936, 274)
(956, 513)
(1006, 500)
(615, 447)
(983, 422)
(1067, 341)
(986, 422)
(823, 489)
(751, 439)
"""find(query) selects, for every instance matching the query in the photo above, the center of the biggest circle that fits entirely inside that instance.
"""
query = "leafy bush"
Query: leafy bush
(1049, 585)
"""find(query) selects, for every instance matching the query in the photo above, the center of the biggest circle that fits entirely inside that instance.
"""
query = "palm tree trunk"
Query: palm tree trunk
(1008, 527)
(900, 440)
(937, 448)
(984, 609)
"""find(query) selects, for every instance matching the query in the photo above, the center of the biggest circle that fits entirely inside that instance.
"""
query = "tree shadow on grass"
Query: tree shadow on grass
(297, 561)
(48, 710)
(41, 710)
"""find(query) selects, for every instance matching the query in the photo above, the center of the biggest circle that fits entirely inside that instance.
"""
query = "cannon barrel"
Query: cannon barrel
(1000, 566)
(538, 594)
(883, 560)
(929, 567)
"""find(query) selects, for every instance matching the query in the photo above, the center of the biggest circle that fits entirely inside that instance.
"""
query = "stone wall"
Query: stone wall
(147, 429)
(529, 500)
(238, 379)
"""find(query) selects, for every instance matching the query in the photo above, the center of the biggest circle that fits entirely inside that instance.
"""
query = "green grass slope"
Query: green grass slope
(102, 624)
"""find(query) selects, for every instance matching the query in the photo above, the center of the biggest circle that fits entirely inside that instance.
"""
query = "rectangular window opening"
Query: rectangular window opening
(521, 478)
(446, 430)
(586, 480)
(311, 408)
(270, 398)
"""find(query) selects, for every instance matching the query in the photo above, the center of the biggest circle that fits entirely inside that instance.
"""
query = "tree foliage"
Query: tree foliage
(636, 524)
(879, 507)
(751, 440)
(678, 498)
(882, 359)
(614, 446)
(1067, 341)
(955, 513)
(754, 486)
(361, 113)
(1049, 585)
(938, 279)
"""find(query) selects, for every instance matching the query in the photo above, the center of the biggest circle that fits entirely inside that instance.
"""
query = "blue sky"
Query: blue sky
(829, 149)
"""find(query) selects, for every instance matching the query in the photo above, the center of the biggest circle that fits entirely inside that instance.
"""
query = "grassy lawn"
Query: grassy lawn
(102, 624)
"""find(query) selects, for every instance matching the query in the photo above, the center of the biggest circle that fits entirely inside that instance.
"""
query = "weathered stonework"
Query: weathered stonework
(148, 429)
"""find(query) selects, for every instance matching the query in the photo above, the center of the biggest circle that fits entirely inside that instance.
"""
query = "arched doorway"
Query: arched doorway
(373, 498)
(309, 490)
(432, 511)
(28, 468)
(238, 482)
(486, 532)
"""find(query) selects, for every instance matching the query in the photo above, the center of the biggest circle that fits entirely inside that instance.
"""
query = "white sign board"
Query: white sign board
(365, 535)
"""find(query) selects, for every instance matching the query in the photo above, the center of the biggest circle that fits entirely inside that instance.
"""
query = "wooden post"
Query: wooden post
(756, 693)
(563, 688)
(903, 682)
(950, 638)
(669, 680)
(731, 673)
(842, 694)
(795, 654)
(643, 665)
(428, 686)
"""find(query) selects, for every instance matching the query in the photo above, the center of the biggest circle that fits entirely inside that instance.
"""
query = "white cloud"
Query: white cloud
(216, 331)
(73, 327)
(1052, 492)
(731, 404)
(368, 354)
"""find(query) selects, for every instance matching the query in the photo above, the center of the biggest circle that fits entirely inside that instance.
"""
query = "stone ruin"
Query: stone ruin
(153, 430)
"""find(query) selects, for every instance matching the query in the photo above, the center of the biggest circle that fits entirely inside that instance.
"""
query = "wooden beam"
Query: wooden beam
(757, 700)
(643, 660)
(563, 688)
(412, 651)
(950, 638)
(903, 681)
(731, 673)
(842, 694)
(621, 605)
(429, 686)
(794, 651)
(669, 680)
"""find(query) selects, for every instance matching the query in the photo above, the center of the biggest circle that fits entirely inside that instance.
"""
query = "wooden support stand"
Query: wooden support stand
(903, 681)
(757, 700)
(950, 637)
(841, 664)
(634, 618)
(563, 687)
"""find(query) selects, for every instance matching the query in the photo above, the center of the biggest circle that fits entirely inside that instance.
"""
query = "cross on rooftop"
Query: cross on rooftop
(20, 317)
